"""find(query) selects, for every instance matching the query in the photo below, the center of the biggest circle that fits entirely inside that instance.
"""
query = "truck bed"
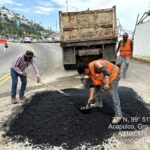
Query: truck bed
(88, 25)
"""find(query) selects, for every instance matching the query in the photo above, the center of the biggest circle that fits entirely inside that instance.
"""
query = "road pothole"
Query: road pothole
(51, 119)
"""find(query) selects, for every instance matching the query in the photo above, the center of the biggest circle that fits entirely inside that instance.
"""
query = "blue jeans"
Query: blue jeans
(14, 77)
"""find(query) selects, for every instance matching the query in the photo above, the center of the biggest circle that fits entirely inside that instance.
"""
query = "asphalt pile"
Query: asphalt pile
(52, 119)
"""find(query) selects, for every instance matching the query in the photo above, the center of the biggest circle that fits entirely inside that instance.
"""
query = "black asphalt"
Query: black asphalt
(55, 120)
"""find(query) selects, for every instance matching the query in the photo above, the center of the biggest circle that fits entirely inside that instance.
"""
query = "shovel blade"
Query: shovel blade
(85, 109)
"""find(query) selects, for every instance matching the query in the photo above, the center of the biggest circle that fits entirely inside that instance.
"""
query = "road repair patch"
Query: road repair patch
(52, 119)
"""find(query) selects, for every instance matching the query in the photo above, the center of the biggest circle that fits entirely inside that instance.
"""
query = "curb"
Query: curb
(147, 60)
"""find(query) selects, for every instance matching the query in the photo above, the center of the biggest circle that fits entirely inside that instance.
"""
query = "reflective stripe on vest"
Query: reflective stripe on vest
(125, 51)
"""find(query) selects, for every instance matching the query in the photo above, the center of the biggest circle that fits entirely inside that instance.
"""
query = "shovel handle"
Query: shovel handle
(60, 91)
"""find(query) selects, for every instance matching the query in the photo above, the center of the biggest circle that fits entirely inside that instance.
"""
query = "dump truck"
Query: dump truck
(88, 35)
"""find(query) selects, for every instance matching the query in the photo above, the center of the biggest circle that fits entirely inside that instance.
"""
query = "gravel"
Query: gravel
(51, 119)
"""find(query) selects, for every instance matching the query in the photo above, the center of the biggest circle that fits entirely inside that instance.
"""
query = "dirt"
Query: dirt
(52, 119)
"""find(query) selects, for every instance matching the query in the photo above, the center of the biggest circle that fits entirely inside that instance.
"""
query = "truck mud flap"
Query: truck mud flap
(69, 56)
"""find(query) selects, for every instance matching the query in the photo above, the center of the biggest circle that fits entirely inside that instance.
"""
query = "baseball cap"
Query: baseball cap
(29, 54)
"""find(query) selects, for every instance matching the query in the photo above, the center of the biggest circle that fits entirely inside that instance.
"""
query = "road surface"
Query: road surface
(49, 61)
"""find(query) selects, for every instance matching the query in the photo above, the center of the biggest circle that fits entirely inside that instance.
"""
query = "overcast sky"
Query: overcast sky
(46, 11)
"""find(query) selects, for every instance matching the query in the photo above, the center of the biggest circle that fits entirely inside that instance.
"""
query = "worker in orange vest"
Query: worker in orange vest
(102, 75)
(125, 47)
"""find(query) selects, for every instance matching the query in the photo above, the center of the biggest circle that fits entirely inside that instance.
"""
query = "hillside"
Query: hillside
(12, 24)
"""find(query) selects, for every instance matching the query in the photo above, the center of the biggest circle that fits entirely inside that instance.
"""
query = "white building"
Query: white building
(142, 36)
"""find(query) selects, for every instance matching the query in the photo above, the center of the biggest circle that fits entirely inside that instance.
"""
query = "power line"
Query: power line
(123, 30)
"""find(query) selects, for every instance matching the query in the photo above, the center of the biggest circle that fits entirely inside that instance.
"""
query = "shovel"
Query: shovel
(87, 108)
(49, 86)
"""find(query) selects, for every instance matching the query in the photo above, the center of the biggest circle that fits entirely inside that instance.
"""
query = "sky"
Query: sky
(46, 12)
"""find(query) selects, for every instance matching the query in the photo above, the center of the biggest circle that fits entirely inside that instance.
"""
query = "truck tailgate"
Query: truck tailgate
(88, 25)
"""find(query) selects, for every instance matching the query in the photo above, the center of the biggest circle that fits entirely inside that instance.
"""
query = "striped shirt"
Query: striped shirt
(19, 65)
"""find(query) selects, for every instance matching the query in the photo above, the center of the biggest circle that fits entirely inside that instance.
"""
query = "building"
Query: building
(142, 36)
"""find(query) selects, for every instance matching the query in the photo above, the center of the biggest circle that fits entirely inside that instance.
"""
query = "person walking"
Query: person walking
(18, 67)
(125, 47)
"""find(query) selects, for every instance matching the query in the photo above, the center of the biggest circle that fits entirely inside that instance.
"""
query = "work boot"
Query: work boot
(116, 120)
(96, 105)
(22, 98)
(14, 100)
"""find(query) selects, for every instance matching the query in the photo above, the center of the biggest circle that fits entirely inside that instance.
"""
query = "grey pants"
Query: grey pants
(113, 91)
(123, 63)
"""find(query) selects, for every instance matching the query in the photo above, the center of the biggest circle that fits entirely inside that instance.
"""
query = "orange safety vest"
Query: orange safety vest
(98, 79)
(125, 51)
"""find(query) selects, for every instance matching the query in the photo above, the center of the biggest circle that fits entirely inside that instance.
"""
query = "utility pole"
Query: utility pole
(67, 4)
(56, 25)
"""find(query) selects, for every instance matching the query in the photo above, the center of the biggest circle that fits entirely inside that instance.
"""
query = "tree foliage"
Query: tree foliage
(9, 27)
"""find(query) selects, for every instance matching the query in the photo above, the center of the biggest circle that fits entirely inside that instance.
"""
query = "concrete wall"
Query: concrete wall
(142, 40)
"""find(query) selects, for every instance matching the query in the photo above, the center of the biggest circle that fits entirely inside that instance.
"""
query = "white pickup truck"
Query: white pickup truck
(27, 40)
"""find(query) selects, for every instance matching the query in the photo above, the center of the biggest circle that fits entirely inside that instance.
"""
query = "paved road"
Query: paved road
(48, 56)
(49, 62)
(48, 59)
